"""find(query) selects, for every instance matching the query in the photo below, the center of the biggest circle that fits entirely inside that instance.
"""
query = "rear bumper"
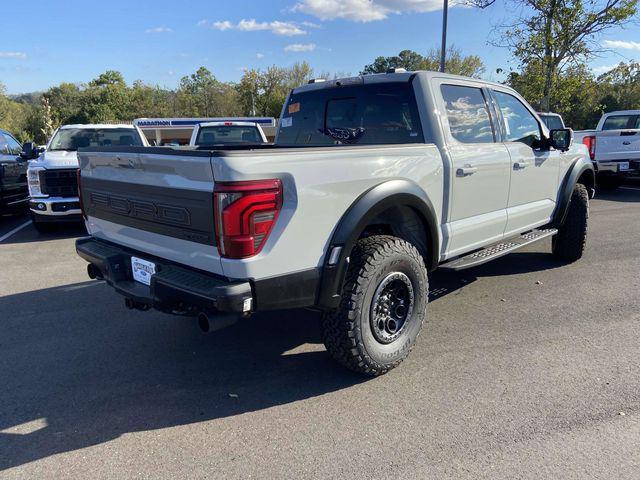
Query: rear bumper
(173, 289)
(616, 167)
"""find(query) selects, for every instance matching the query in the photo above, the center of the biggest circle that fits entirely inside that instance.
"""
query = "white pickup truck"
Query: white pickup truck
(373, 181)
(614, 147)
(216, 134)
(51, 175)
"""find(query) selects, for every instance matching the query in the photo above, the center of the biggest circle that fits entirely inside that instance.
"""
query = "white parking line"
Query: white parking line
(630, 188)
(15, 230)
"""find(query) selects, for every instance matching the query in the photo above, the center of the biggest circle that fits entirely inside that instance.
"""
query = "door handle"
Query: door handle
(520, 165)
(466, 171)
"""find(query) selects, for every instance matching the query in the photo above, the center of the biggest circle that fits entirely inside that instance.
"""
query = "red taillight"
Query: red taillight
(79, 179)
(245, 213)
(590, 142)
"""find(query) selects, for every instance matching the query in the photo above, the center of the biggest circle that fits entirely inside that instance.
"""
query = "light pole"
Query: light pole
(443, 51)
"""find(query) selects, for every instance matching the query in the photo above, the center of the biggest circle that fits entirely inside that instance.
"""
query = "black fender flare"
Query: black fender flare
(577, 169)
(392, 193)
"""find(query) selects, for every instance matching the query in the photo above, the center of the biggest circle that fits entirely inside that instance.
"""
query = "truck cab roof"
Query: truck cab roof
(396, 76)
(97, 125)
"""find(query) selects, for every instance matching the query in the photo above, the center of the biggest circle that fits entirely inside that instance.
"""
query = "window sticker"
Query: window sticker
(286, 122)
(294, 108)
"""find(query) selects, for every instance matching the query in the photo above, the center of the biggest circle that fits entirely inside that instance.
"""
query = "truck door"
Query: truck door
(480, 168)
(534, 171)
(13, 171)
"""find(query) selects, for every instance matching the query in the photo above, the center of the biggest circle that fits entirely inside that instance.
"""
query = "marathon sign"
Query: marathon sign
(191, 122)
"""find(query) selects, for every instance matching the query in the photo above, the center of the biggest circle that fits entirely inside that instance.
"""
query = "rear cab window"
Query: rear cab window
(364, 114)
(228, 134)
(553, 122)
(619, 122)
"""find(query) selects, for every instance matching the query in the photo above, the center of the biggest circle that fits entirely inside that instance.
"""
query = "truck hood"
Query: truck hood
(58, 159)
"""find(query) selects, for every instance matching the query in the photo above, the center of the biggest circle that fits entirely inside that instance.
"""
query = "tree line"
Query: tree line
(551, 42)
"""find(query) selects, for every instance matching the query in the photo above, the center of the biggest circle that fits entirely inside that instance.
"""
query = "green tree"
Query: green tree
(264, 92)
(202, 95)
(620, 87)
(456, 63)
(558, 33)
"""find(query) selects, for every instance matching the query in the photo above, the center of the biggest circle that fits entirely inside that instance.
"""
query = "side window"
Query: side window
(468, 115)
(4, 145)
(14, 146)
(519, 124)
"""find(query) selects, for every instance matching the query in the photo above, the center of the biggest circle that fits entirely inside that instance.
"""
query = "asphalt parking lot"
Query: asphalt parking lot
(526, 369)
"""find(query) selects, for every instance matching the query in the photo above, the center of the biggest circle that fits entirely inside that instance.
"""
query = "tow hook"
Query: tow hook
(131, 304)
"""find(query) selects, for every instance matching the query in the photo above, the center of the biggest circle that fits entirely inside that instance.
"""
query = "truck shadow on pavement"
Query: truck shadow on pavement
(627, 193)
(79, 369)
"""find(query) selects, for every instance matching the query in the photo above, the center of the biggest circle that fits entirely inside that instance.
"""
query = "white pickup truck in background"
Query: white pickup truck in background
(614, 147)
(552, 120)
(227, 133)
(53, 188)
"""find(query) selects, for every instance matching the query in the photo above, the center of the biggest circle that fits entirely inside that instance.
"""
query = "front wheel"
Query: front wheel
(383, 306)
(569, 243)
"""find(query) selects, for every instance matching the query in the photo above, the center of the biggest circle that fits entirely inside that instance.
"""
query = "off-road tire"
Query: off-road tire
(348, 333)
(569, 243)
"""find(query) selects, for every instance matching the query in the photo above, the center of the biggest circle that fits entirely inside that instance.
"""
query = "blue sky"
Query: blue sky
(51, 41)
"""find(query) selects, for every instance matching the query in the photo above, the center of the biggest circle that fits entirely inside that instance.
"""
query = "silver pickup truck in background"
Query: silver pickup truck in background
(614, 147)
(373, 181)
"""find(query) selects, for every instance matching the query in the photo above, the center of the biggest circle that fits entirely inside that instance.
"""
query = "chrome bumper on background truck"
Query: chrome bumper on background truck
(56, 209)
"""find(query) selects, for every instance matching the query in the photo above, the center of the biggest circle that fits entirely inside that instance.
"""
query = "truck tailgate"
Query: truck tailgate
(155, 200)
(618, 145)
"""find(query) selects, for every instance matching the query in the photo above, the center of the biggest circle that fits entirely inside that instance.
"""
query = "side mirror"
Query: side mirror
(29, 151)
(561, 138)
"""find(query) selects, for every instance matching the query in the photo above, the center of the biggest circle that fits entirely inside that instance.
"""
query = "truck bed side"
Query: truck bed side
(319, 186)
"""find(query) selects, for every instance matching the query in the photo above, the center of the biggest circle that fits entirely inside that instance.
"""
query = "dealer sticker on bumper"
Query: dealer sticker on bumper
(142, 270)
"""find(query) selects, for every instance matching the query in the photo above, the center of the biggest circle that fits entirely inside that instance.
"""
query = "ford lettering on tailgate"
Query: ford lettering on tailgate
(170, 214)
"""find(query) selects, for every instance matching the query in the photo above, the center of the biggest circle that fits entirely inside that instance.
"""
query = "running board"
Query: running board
(497, 250)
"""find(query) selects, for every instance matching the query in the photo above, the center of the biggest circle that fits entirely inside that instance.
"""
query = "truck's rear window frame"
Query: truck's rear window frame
(315, 127)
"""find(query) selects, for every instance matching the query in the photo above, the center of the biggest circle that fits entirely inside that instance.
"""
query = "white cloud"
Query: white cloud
(602, 69)
(259, 55)
(287, 29)
(158, 30)
(222, 26)
(300, 47)
(364, 10)
(622, 44)
(19, 55)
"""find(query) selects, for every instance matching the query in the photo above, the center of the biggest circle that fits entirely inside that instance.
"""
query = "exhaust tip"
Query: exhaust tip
(203, 322)
(94, 272)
